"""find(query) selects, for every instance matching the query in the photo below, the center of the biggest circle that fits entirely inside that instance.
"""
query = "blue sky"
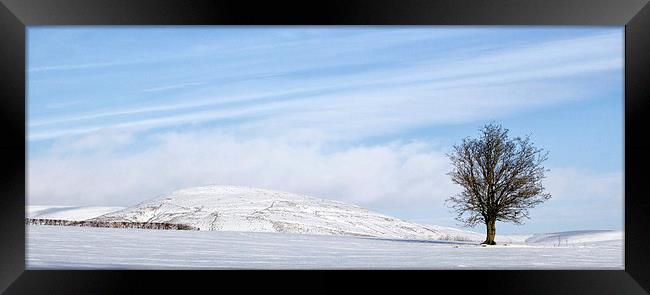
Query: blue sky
(118, 115)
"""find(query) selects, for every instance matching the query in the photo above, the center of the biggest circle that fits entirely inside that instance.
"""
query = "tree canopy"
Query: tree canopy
(501, 178)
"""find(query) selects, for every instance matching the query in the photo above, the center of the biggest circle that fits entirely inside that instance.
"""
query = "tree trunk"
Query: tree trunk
(491, 232)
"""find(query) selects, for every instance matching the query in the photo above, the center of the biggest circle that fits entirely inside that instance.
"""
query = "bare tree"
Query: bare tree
(501, 179)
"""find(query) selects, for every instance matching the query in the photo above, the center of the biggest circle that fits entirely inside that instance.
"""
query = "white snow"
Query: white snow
(232, 208)
(575, 237)
(74, 213)
(565, 238)
(61, 247)
(254, 228)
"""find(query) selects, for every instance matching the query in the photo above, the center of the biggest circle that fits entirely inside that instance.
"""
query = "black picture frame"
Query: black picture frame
(15, 15)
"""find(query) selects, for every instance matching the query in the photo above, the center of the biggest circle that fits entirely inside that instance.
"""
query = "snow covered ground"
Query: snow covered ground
(460, 235)
(61, 247)
(245, 227)
(74, 213)
(575, 237)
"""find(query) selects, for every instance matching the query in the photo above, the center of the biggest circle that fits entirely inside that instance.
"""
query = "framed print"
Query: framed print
(155, 145)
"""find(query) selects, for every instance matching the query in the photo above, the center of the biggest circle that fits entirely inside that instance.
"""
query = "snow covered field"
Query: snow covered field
(60, 247)
(245, 227)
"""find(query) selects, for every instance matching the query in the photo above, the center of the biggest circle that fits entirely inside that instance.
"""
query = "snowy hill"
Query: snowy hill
(566, 238)
(73, 213)
(575, 237)
(232, 208)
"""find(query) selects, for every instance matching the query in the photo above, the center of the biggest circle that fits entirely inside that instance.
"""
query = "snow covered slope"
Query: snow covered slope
(232, 208)
(576, 237)
(566, 238)
(455, 234)
(74, 213)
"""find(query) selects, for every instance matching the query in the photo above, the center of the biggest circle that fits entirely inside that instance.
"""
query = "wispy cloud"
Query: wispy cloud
(507, 79)
(359, 175)
(72, 66)
(95, 65)
(174, 86)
